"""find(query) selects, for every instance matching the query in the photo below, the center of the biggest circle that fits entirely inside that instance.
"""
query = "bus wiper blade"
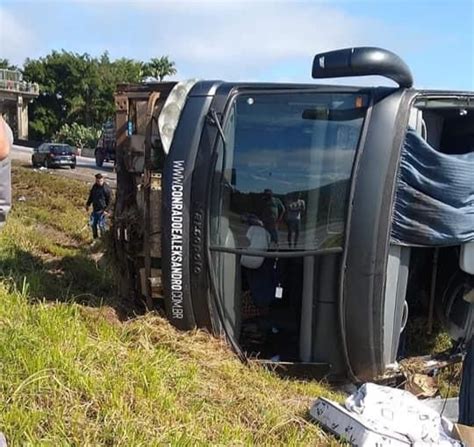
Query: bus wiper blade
(213, 118)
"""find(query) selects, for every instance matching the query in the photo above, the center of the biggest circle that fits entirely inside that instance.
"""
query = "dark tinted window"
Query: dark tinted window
(60, 148)
(286, 168)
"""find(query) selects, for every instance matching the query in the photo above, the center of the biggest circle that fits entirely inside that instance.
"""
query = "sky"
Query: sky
(259, 40)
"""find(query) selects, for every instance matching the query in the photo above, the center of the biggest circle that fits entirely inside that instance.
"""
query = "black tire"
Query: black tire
(73, 166)
(99, 159)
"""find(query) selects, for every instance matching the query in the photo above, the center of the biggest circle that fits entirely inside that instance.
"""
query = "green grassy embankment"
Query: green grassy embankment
(75, 371)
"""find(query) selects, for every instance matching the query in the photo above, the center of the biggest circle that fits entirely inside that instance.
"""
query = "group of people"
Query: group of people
(261, 274)
(274, 211)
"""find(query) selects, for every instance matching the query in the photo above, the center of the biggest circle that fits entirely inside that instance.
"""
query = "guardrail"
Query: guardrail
(19, 87)
(12, 81)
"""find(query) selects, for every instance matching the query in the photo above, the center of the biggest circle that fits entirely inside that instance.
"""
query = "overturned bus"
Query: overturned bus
(305, 223)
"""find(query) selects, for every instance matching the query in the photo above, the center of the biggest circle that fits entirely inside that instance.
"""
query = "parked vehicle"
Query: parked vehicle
(53, 155)
(105, 149)
(355, 204)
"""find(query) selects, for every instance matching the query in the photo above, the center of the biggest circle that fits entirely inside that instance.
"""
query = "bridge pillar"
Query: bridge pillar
(22, 118)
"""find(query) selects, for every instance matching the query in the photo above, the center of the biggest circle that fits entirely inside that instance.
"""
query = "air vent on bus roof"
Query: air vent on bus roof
(362, 61)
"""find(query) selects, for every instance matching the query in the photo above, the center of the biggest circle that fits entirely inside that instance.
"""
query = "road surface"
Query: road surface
(85, 167)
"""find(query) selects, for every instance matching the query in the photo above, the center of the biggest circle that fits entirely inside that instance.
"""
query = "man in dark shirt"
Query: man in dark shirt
(100, 197)
(272, 212)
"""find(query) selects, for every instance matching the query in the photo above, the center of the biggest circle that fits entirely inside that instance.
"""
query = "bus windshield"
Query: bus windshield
(285, 168)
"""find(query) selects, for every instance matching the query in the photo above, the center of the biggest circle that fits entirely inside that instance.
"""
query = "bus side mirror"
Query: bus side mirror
(362, 61)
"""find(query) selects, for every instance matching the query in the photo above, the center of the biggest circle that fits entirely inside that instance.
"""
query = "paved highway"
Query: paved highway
(85, 167)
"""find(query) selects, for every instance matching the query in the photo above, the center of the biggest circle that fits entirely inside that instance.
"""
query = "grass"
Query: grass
(73, 371)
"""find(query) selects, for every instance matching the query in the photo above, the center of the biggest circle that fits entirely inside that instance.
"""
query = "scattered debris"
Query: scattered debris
(380, 415)
(418, 374)
(465, 434)
(22, 199)
(421, 385)
(427, 364)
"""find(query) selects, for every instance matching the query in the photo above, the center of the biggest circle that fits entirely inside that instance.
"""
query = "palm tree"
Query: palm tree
(160, 67)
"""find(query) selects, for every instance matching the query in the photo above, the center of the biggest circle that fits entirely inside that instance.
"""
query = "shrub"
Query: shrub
(77, 135)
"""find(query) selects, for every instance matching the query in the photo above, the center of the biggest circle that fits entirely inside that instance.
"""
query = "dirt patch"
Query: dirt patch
(106, 313)
(61, 239)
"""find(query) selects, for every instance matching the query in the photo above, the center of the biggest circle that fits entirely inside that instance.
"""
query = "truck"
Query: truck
(105, 148)
(307, 224)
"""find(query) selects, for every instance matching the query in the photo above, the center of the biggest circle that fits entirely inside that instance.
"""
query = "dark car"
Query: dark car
(54, 155)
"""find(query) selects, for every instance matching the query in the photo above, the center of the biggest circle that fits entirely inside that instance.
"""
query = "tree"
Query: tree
(70, 87)
(79, 88)
(77, 135)
(5, 65)
(160, 67)
(75, 88)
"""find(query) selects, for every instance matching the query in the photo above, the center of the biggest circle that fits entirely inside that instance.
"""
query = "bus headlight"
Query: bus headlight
(169, 116)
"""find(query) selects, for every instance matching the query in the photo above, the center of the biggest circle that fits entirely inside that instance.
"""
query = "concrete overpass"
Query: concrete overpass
(15, 94)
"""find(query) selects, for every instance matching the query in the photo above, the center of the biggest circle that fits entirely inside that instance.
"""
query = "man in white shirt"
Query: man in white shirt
(295, 208)
(6, 141)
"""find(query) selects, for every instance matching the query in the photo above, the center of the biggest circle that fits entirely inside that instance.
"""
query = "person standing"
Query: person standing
(295, 209)
(272, 212)
(100, 197)
(6, 142)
